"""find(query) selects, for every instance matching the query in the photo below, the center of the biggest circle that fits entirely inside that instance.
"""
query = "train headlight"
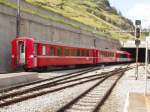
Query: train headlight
(31, 56)
(12, 56)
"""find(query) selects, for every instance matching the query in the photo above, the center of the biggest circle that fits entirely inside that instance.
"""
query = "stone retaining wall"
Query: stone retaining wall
(44, 29)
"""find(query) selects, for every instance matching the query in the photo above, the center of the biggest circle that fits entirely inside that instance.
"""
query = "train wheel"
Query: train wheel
(42, 69)
(26, 69)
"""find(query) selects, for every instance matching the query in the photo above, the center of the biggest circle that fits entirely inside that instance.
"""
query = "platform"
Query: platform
(7, 80)
(138, 102)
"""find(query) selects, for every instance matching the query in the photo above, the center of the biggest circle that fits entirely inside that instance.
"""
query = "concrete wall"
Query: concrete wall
(43, 29)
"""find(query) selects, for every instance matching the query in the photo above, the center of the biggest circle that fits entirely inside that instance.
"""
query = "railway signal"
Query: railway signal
(138, 28)
(138, 32)
(137, 43)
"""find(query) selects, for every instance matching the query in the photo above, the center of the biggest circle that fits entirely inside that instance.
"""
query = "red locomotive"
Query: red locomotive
(32, 54)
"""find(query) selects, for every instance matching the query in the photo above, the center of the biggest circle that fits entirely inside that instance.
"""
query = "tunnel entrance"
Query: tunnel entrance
(141, 57)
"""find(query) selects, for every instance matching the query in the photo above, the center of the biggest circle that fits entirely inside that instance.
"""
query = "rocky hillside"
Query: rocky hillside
(97, 14)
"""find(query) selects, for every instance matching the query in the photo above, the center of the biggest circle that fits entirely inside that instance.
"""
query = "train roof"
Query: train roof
(123, 52)
(72, 46)
(62, 44)
(24, 38)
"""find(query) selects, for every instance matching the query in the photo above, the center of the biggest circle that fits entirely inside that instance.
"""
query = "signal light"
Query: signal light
(138, 32)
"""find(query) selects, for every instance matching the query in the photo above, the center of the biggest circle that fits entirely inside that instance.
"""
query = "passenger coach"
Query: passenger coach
(31, 54)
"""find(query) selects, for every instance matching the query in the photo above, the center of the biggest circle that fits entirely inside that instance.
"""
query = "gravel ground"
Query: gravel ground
(117, 100)
(56, 73)
(53, 101)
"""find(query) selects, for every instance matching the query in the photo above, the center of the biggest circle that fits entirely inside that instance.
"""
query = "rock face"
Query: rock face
(40, 28)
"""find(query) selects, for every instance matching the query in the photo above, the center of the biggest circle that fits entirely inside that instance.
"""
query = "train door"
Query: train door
(22, 52)
(35, 54)
(95, 56)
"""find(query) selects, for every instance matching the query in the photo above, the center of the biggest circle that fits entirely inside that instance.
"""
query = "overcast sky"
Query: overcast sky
(134, 9)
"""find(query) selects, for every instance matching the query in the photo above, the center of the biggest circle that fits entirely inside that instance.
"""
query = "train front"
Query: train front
(22, 53)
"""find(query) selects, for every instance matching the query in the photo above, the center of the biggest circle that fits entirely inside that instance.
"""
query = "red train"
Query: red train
(32, 54)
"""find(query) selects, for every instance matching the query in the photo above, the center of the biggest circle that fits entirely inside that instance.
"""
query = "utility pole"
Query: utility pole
(18, 19)
(146, 61)
(137, 43)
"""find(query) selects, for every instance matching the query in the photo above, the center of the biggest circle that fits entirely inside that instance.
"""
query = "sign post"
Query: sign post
(18, 19)
(137, 43)
(147, 41)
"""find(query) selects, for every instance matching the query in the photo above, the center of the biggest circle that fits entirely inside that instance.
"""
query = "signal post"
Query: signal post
(137, 43)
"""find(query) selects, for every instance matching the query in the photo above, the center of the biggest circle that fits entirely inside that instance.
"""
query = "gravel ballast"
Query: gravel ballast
(53, 101)
(119, 97)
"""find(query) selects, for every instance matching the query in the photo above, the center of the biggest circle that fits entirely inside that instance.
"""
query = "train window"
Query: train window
(59, 51)
(66, 52)
(75, 52)
(102, 54)
(87, 52)
(22, 48)
(44, 50)
(52, 51)
(113, 54)
(90, 53)
(35, 49)
(72, 52)
(123, 56)
(82, 52)
(78, 52)
(105, 54)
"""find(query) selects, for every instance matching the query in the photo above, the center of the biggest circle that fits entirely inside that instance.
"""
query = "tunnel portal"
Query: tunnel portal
(141, 57)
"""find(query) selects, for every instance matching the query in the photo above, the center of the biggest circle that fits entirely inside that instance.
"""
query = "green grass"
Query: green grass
(85, 12)
(78, 10)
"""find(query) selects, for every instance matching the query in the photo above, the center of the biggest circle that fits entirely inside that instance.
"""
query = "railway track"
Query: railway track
(92, 99)
(58, 78)
(24, 92)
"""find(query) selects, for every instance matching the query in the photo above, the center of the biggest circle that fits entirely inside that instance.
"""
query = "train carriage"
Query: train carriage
(106, 56)
(30, 54)
(55, 55)
(23, 52)
(123, 56)
(33, 54)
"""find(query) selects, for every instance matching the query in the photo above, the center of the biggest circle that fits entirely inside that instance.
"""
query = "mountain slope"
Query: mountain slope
(95, 13)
